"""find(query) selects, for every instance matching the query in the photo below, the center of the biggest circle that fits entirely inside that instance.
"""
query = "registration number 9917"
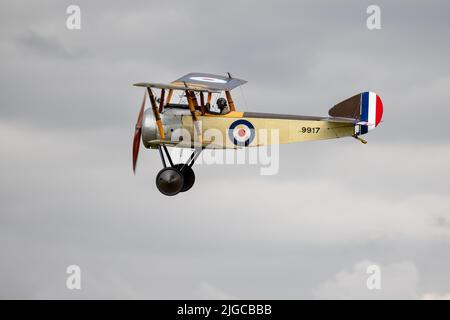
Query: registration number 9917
(310, 129)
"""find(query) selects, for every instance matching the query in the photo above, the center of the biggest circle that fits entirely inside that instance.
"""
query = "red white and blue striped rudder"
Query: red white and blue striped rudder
(371, 111)
(365, 108)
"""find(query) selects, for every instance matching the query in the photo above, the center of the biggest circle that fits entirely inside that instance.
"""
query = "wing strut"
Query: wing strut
(169, 96)
(202, 102)
(194, 115)
(230, 101)
(156, 113)
(161, 100)
(209, 98)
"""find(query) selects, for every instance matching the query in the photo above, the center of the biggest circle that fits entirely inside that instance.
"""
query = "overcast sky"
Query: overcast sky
(68, 195)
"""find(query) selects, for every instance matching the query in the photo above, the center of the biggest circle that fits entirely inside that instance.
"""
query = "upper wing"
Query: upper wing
(209, 81)
(173, 87)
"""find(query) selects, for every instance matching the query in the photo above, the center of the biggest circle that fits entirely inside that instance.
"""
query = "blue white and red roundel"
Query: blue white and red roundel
(208, 79)
(371, 111)
(241, 132)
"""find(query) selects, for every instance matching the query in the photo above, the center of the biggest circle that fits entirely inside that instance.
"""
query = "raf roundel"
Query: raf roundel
(241, 132)
(208, 79)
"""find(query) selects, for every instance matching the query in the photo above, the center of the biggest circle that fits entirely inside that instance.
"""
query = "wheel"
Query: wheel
(169, 181)
(188, 175)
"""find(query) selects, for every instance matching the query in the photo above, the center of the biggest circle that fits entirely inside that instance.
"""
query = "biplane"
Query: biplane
(205, 103)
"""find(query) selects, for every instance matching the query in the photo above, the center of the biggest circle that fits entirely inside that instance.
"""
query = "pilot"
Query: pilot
(221, 104)
(221, 107)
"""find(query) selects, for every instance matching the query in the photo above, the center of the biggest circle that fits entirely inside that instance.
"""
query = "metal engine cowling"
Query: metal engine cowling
(171, 121)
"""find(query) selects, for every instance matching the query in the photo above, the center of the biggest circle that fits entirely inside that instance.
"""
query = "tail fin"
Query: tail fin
(365, 107)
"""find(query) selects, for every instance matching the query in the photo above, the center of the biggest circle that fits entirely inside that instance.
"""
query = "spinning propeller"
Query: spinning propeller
(138, 134)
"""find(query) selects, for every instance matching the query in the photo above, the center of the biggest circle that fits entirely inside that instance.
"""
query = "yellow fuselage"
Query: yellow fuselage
(269, 130)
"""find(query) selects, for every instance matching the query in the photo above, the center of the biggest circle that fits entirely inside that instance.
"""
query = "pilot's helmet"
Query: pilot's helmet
(221, 104)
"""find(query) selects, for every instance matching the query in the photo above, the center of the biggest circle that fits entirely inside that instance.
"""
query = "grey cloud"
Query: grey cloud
(398, 281)
(50, 47)
(66, 122)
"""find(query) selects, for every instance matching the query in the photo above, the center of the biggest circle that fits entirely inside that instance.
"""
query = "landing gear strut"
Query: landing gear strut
(177, 177)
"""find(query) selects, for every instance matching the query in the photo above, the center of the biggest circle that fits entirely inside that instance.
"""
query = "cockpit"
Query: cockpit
(202, 92)
(220, 106)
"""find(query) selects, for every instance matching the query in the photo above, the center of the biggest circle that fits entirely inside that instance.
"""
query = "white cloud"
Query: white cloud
(436, 296)
(398, 281)
(209, 292)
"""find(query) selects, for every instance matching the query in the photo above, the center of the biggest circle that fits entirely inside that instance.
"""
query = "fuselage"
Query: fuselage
(236, 129)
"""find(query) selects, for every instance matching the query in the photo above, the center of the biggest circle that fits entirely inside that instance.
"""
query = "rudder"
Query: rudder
(366, 107)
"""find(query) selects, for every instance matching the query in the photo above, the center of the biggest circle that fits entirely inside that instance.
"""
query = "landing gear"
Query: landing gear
(169, 181)
(176, 178)
(188, 176)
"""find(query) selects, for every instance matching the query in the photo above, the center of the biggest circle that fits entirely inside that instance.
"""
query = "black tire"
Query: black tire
(169, 181)
(188, 176)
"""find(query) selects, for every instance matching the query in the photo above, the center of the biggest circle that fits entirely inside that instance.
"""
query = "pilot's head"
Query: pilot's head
(221, 104)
